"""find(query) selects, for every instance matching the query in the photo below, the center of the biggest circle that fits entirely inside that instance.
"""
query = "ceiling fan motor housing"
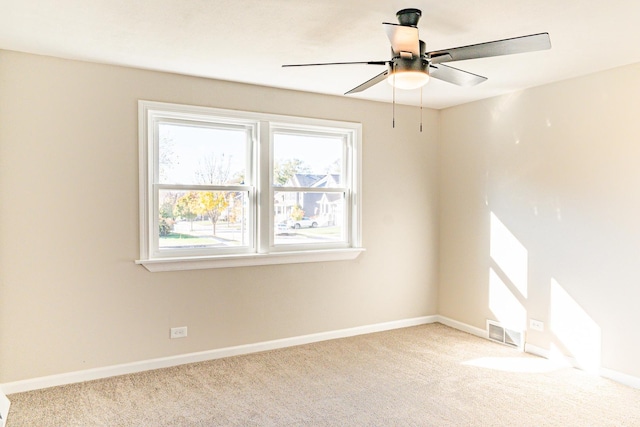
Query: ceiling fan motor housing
(408, 71)
(402, 64)
(409, 17)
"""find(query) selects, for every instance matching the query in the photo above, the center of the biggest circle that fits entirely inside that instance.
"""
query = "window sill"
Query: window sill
(239, 260)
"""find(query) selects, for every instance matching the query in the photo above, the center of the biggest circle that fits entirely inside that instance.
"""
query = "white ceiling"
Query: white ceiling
(248, 40)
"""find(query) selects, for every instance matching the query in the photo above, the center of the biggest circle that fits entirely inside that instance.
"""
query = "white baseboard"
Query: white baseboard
(166, 362)
(619, 377)
(463, 327)
(560, 359)
(4, 408)
(535, 350)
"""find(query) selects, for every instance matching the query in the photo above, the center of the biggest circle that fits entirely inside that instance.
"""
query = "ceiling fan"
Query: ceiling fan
(411, 65)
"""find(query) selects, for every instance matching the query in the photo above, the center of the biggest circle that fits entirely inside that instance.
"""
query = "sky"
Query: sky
(188, 146)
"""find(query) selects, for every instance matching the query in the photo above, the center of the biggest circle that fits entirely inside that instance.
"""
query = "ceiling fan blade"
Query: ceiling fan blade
(455, 76)
(510, 46)
(403, 38)
(338, 63)
(366, 85)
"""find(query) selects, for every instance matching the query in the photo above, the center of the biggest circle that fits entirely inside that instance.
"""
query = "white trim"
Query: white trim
(463, 327)
(628, 380)
(245, 260)
(166, 362)
(622, 378)
(562, 358)
(262, 251)
(5, 403)
(538, 351)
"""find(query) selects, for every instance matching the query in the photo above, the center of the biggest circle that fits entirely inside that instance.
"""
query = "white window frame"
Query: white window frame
(348, 137)
(262, 250)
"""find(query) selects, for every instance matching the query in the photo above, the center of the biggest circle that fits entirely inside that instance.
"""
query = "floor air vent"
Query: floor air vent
(503, 335)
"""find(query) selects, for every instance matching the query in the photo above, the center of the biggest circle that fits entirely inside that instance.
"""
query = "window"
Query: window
(223, 188)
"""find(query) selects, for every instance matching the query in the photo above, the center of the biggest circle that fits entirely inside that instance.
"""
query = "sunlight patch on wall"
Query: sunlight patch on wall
(509, 254)
(504, 305)
(575, 329)
(504, 104)
(557, 356)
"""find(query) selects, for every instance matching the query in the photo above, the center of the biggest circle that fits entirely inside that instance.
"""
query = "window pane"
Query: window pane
(201, 155)
(203, 219)
(307, 161)
(303, 217)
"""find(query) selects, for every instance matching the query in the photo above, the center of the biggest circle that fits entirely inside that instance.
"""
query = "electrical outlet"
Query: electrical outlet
(536, 325)
(180, 332)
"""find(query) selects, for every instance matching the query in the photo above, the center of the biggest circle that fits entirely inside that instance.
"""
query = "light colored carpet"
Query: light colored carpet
(428, 375)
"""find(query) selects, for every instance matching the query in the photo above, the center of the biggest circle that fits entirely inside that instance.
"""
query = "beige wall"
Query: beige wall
(545, 180)
(71, 297)
(558, 168)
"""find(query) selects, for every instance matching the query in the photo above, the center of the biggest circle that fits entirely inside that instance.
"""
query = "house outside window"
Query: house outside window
(221, 188)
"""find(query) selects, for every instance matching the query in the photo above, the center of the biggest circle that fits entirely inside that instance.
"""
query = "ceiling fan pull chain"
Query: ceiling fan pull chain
(393, 119)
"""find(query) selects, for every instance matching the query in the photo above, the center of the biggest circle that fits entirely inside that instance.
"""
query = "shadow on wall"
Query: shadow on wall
(572, 331)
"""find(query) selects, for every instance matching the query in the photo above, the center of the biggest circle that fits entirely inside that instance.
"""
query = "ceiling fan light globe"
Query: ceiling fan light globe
(408, 80)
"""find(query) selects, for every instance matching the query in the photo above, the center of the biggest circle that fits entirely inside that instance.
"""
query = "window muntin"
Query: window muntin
(241, 151)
